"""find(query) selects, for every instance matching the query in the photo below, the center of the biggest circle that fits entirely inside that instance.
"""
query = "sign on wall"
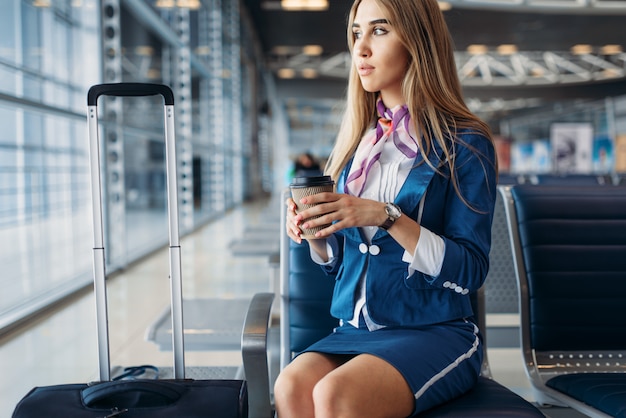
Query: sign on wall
(572, 147)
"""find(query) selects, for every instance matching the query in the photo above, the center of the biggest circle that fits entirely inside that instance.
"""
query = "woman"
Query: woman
(410, 232)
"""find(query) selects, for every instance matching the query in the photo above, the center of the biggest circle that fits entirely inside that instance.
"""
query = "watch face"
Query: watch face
(393, 210)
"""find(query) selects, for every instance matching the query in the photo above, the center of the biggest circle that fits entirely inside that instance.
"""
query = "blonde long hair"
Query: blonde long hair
(431, 87)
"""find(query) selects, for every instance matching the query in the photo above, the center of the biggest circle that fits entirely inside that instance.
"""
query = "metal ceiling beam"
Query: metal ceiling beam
(490, 68)
(595, 7)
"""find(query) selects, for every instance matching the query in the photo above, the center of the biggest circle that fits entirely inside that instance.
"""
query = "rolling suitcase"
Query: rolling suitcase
(138, 398)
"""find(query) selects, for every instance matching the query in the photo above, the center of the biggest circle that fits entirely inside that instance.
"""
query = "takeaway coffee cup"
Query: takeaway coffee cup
(307, 186)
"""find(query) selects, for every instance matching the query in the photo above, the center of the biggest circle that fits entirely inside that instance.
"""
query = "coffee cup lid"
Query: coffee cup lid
(311, 181)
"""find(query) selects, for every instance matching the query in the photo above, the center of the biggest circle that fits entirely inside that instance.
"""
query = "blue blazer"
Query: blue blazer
(393, 297)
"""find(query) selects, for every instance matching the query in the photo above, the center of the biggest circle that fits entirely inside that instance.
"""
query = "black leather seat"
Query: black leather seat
(569, 250)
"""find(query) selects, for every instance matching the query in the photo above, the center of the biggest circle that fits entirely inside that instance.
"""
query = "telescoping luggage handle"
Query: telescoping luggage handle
(128, 90)
(136, 90)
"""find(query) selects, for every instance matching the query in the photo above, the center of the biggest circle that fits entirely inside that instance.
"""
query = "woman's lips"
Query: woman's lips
(365, 69)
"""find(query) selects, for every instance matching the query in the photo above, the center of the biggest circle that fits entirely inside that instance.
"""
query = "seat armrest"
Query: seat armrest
(255, 355)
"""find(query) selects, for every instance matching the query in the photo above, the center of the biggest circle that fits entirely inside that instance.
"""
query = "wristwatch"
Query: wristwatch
(393, 212)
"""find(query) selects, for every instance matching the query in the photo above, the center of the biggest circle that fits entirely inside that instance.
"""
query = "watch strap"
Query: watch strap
(391, 219)
(388, 222)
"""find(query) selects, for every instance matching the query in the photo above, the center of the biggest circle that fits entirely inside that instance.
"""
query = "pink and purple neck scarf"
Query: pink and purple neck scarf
(392, 124)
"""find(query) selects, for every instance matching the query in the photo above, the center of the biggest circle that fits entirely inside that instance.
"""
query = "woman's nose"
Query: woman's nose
(362, 49)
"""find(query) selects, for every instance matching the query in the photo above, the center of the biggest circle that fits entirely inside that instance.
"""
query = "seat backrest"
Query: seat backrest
(511, 178)
(569, 251)
(500, 286)
(570, 179)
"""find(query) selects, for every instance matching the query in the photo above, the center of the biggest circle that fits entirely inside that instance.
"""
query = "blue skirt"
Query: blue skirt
(439, 362)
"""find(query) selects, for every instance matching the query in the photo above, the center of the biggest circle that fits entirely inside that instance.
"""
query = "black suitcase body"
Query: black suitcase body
(138, 398)
(141, 398)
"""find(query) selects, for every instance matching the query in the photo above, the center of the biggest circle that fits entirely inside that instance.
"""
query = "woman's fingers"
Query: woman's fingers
(340, 210)
(291, 224)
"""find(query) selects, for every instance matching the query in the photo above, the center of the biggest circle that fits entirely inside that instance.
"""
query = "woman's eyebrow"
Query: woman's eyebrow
(372, 23)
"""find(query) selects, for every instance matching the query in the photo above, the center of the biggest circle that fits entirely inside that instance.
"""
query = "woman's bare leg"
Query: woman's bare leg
(293, 390)
(365, 386)
(321, 386)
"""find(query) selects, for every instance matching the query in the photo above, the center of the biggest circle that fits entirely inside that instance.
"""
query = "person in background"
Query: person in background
(306, 165)
(410, 227)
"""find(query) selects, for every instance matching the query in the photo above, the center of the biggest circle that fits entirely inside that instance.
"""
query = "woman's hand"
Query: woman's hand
(345, 211)
(339, 210)
(293, 223)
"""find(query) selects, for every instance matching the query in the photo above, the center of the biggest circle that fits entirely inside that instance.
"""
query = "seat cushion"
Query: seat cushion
(605, 392)
(488, 399)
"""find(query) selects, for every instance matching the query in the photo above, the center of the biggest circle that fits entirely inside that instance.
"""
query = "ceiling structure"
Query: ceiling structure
(510, 53)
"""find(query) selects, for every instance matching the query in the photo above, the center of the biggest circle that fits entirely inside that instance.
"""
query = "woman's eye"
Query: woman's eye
(379, 31)
(356, 34)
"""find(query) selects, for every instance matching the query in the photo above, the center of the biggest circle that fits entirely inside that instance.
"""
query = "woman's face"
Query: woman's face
(380, 58)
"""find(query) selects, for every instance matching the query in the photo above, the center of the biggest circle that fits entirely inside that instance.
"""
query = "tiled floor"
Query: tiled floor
(61, 347)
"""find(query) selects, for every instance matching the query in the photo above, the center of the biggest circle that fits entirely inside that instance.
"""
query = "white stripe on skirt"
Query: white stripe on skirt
(451, 366)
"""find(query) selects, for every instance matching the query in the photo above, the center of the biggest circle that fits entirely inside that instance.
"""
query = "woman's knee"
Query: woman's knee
(341, 395)
(293, 385)
(332, 398)
(285, 386)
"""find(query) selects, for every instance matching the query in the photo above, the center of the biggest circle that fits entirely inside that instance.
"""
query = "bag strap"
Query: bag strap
(136, 371)
(159, 392)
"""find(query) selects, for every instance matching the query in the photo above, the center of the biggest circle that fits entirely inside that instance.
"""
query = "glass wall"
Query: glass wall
(51, 52)
(48, 58)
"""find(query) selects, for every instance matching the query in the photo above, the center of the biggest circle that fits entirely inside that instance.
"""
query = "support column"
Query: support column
(184, 119)
(217, 161)
(203, 145)
(238, 148)
(112, 115)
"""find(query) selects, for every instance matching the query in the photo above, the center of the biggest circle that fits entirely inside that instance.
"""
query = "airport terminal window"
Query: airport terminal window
(45, 223)
(7, 31)
(50, 54)
(45, 216)
(146, 206)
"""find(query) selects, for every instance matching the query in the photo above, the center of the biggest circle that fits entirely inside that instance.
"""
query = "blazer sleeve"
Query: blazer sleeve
(464, 223)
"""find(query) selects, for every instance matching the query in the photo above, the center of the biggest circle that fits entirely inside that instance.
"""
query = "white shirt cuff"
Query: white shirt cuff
(429, 253)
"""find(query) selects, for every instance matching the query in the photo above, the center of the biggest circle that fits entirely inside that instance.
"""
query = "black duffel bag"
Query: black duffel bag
(140, 398)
